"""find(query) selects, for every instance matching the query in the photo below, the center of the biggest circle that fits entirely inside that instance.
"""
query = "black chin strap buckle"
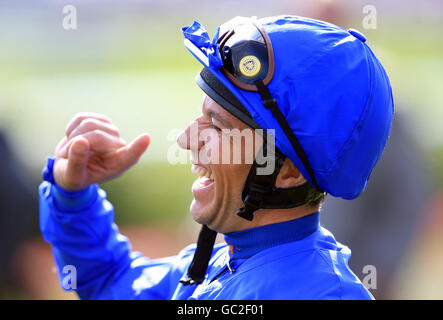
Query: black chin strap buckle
(258, 186)
(252, 204)
(188, 281)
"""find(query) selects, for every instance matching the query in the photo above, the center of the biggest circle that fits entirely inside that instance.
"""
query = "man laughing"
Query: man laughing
(322, 105)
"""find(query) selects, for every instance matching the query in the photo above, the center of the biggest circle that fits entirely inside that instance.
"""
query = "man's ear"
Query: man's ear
(289, 175)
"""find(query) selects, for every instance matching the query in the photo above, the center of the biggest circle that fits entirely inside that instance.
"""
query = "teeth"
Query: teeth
(201, 171)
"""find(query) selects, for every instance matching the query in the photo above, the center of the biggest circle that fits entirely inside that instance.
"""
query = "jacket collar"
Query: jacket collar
(246, 243)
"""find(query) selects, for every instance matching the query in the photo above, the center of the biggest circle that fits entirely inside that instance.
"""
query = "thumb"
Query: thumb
(78, 156)
(130, 154)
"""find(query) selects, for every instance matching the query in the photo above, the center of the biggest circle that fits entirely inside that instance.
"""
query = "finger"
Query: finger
(76, 168)
(99, 141)
(129, 155)
(79, 117)
(91, 124)
(60, 145)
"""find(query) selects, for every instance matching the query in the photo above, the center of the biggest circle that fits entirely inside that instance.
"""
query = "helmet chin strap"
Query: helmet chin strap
(259, 192)
(197, 268)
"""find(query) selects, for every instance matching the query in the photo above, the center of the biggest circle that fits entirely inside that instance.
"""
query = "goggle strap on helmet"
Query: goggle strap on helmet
(197, 268)
(271, 104)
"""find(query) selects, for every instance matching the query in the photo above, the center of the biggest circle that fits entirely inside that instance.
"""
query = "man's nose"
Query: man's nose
(189, 138)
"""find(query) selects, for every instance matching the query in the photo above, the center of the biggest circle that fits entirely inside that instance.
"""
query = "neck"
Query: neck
(265, 217)
(246, 243)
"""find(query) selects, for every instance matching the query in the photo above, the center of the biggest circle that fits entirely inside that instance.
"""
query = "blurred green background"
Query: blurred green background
(127, 60)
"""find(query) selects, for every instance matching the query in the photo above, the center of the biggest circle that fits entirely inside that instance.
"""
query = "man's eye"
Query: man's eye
(215, 127)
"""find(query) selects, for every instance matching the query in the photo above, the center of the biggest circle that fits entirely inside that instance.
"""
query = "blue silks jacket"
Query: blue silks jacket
(292, 260)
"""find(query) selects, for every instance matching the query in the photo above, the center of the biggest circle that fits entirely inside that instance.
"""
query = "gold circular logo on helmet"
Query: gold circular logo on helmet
(249, 66)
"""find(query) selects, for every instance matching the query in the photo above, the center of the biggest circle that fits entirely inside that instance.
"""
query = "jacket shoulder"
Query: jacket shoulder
(311, 274)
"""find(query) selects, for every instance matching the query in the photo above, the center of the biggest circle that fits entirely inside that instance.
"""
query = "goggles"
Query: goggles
(246, 52)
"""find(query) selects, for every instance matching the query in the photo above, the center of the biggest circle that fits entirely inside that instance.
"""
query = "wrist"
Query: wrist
(66, 200)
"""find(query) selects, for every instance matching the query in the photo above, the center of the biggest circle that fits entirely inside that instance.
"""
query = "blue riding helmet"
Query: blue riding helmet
(319, 86)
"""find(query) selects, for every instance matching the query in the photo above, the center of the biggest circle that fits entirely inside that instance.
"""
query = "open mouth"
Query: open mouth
(206, 177)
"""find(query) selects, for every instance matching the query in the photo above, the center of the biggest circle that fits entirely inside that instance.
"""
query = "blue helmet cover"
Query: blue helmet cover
(330, 87)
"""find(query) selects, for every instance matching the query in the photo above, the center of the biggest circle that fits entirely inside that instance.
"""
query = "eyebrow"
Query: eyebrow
(220, 119)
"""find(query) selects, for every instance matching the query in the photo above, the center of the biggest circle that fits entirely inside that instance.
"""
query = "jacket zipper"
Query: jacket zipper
(220, 273)
(228, 267)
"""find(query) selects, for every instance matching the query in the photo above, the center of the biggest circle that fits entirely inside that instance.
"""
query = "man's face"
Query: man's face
(222, 164)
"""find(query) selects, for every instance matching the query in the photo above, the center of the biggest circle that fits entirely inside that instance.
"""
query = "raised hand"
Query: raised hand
(93, 152)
